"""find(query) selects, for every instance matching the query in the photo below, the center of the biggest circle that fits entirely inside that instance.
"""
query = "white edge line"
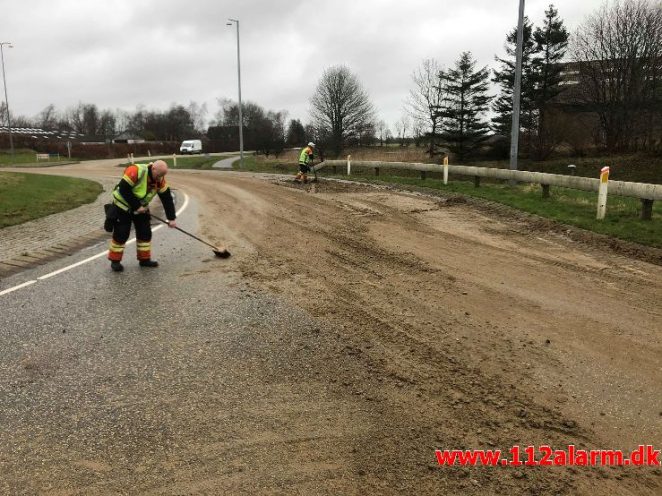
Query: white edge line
(94, 257)
(4, 292)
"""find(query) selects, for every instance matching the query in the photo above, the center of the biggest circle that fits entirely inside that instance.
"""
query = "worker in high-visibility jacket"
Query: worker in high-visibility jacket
(138, 186)
(305, 160)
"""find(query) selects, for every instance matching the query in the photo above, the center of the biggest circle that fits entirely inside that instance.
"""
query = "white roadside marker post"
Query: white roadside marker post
(349, 165)
(446, 169)
(602, 193)
(174, 160)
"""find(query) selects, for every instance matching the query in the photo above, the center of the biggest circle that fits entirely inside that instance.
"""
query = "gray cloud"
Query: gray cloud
(121, 53)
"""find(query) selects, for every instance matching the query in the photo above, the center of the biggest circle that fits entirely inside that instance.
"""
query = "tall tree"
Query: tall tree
(107, 125)
(84, 118)
(382, 132)
(551, 44)
(425, 99)
(401, 127)
(618, 51)
(505, 78)
(340, 106)
(296, 135)
(464, 106)
(47, 118)
(198, 115)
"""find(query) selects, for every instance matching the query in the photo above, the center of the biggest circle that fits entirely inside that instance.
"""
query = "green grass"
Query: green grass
(25, 197)
(28, 158)
(567, 206)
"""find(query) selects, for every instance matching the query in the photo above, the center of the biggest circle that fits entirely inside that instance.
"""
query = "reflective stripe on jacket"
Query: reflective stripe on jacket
(138, 187)
(304, 156)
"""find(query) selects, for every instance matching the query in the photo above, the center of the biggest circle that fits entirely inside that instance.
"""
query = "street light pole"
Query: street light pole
(4, 80)
(517, 89)
(241, 121)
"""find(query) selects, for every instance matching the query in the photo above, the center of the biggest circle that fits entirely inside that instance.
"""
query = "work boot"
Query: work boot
(116, 266)
(149, 263)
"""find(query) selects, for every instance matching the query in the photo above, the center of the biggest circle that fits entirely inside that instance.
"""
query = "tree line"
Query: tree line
(600, 88)
(603, 85)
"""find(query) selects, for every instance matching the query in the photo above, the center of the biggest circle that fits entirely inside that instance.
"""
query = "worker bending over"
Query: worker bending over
(138, 186)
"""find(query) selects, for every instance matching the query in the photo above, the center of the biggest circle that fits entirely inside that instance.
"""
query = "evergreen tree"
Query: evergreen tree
(551, 45)
(505, 77)
(462, 110)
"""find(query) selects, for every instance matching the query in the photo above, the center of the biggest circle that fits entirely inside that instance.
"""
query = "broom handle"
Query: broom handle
(185, 232)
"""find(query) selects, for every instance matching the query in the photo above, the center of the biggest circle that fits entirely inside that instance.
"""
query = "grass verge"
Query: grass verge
(22, 157)
(24, 197)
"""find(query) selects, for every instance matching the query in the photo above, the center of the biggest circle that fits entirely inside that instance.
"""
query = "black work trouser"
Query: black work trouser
(122, 229)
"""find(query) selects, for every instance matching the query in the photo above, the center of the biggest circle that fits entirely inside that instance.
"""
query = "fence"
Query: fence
(647, 193)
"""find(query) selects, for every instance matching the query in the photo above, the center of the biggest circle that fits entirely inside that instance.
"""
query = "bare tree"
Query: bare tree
(84, 118)
(417, 131)
(401, 128)
(340, 107)
(122, 120)
(107, 125)
(47, 118)
(382, 131)
(425, 99)
(618, 51)
(198, 115)
(3, 114)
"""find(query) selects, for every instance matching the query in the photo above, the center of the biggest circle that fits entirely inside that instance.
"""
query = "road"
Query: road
(354, 331)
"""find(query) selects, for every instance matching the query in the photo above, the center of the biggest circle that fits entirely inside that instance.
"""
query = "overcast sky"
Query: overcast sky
(119, 54)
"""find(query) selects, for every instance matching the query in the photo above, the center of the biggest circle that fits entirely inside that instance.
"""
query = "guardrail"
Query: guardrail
(647, 193)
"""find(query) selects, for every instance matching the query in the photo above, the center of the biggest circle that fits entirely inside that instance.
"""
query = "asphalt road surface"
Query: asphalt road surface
(354, 331)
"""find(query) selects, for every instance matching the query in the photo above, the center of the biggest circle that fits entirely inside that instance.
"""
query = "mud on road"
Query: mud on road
(435, 325)
(465, 330)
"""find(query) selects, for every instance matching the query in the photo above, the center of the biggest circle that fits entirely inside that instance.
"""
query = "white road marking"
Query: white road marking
(82, 262)
(4, 292)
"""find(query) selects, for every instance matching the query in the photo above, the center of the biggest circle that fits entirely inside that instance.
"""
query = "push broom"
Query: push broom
(220, 252)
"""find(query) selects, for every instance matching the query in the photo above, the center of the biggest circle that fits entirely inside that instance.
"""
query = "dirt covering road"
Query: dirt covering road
(444, 326)
(470, 331)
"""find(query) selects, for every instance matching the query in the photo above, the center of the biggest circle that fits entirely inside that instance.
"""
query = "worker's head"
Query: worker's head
(159, 169)
(311, 144)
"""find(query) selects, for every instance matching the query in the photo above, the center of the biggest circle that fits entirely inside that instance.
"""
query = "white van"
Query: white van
(191, 146)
